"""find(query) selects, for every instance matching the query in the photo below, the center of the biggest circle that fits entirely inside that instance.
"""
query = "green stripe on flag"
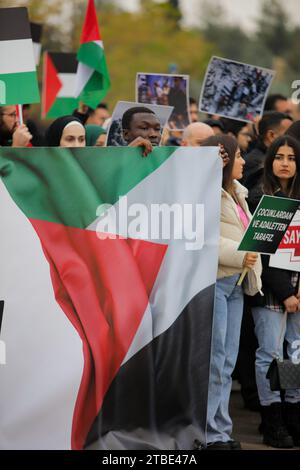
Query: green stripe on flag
(92, 55)
(62, 107)
(94, 91)
(66, 186)
(19, 88)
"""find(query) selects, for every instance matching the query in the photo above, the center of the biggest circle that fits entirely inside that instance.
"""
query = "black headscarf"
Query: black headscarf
(55, 130)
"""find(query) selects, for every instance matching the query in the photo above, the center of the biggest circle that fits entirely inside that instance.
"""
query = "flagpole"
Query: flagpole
(20, 114)
(242, 276)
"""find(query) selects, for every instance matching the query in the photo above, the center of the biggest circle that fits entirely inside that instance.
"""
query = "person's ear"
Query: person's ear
(125, 134)
(270, 136)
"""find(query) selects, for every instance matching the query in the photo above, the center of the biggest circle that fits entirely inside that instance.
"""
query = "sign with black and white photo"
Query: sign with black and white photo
(235, 90)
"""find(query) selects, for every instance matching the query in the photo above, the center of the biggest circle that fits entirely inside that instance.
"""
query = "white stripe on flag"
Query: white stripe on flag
(17, 56)
(183, 273)
(37, 47)
(84, 73)
(40, 381)
(68, 85)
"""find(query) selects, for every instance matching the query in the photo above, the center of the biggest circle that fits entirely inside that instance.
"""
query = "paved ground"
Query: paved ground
(245, 425)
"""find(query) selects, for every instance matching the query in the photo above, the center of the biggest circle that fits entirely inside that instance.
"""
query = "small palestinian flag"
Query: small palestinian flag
(92, 81)
(121, 361)
(18, 79)
(59, 84)
(36, 33)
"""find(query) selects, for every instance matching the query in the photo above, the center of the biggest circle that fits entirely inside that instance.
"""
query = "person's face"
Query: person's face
(194, 113)
(244, 138)
(284, 163)
(217, 130)
(144, 125)
(73, 136)
(100, 142)
(238, 166)
(9, 118)
(98, 117)
(280, 131)
(198, 137)
(283, 106)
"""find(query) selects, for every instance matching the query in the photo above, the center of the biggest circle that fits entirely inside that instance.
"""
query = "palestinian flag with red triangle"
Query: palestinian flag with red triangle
(59, 78)
(92, 80)
(121, 359)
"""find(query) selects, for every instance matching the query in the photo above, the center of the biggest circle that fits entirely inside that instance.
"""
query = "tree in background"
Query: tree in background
(273, 28)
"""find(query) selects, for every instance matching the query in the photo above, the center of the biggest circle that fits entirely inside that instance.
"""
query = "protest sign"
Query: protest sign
(235, 90)
(287, 255)
(269, 224)
(167, 90)
(115, 135)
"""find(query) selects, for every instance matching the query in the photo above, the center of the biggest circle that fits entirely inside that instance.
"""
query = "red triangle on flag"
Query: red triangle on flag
(90, 31)
(103, 286)
(51, 84)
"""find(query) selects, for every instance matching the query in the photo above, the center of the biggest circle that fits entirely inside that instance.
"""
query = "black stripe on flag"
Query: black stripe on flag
(36, 32)
(1, 312)
(158, 399)
(64, 62)
(14, 24)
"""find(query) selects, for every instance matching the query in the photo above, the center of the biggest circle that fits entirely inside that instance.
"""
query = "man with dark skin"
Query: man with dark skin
(141, 128)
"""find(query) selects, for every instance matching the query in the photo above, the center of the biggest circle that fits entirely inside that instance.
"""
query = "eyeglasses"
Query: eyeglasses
(12, 115)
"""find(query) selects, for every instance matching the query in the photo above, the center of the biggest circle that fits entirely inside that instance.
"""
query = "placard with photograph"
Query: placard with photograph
(166, 90)
(154, 116)
(235, 90)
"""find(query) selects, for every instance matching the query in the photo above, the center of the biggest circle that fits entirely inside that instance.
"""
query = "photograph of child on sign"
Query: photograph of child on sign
(235, 90)
(158, 115)
(166, 90)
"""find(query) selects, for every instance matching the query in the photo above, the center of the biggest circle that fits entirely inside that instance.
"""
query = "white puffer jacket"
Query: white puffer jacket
(232, 232)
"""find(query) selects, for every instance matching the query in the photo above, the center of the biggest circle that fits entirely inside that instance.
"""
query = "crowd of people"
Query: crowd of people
(258, 158)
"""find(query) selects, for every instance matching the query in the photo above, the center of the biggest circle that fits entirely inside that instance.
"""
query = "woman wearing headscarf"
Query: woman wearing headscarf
(95, 135)
(66, 131)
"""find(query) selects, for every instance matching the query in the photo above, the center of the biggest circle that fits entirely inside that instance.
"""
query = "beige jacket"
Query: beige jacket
(232, 231)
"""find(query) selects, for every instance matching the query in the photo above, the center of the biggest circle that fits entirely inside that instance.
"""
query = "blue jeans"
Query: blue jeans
(267, 329)
(228, 313)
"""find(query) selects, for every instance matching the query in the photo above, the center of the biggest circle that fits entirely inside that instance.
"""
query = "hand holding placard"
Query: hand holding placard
(268, 226)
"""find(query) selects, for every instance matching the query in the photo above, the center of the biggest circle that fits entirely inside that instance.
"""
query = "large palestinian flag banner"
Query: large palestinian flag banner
(110, 347)
(18, 79)
(59, 75)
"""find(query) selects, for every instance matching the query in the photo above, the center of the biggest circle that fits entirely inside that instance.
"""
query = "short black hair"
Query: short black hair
(232, 125)
(271, 121)
(127, 116)
(215, 123)
(192, 100)
(102, 106)
(91, 111)
(272, 100)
